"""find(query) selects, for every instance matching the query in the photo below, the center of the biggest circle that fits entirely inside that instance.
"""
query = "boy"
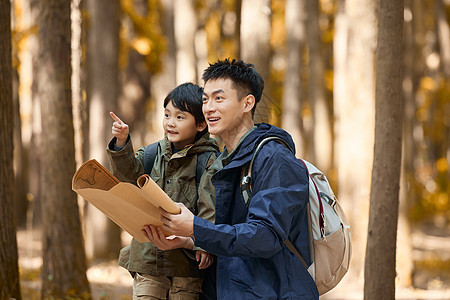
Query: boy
(169, 274)
(253, 262)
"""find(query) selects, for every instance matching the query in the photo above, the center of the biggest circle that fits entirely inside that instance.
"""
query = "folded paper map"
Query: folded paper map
(129, 206)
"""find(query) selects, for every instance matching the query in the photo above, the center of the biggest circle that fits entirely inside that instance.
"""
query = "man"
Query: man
(253, 261)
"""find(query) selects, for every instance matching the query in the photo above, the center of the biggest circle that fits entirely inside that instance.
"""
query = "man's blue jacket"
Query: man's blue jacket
(253, 262)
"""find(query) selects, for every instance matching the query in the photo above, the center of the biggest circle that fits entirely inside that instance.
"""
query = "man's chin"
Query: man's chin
(213, 130)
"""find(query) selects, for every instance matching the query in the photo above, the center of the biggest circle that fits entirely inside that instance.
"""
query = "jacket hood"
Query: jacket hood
(249, 144)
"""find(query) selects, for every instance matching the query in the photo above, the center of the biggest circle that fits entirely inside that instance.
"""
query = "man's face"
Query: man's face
(222, 109)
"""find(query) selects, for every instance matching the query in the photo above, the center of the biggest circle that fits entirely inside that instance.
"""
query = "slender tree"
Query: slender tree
(443, 33)
(292, 91)
(354, 108)
(185, 29)
(102, 89)
(322, 140)
(255, 45)
(165, 81)
(9, 270)
(384, 196)
(64, 262)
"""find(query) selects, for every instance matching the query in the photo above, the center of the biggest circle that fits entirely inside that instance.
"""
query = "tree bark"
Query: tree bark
(384, 196)
(64, 262)
(293, 91)
(255, 46)
(102, 62)
(354, 107)
(9, 269)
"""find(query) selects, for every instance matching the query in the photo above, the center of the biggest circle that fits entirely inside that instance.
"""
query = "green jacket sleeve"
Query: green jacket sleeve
(125, 165)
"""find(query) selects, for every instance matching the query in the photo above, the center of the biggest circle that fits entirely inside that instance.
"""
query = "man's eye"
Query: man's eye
(205, 100)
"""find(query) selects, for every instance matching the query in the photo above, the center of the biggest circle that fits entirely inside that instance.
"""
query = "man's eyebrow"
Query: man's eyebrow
(218, 91)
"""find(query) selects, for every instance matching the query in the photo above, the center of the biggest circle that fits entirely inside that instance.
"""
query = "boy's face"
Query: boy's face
(224, 112)
(180, 126)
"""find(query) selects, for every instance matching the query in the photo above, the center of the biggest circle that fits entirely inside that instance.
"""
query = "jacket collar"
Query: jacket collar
(243, 152)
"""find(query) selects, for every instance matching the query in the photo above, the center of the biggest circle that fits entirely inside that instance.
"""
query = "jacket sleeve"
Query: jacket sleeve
(280, 195)
(124, 164)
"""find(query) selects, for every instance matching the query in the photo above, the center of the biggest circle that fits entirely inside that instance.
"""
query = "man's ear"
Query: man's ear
(201, 126)
(249, 103)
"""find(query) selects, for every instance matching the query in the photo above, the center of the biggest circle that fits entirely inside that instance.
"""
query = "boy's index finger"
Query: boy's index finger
(115, 118)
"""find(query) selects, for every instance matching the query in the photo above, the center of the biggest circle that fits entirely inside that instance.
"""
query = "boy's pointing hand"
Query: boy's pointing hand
(119, 129)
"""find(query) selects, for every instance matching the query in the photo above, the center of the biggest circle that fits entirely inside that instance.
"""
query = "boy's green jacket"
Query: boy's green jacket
(175, 174)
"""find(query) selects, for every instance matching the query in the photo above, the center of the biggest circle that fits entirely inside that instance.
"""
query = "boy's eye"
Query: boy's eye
(166, 115)
(179, 117)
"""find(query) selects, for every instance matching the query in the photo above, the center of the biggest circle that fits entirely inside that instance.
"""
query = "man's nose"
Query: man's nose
(208, 107)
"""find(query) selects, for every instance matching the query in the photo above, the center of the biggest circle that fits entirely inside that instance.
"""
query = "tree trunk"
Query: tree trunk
(165, 81)
(380, 272)
(255, 46)
(20, 159)
(354, 116)
(9, 269)
(322, 141)
(443, 33)
(293, 91)
(78, 83)
(64, 261)
(102, 235)
(185, 28)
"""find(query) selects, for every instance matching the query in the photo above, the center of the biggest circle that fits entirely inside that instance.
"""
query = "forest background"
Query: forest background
(74, 61)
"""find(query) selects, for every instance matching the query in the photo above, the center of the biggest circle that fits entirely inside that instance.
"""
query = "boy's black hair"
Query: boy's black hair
(246, 79)
(188, 97)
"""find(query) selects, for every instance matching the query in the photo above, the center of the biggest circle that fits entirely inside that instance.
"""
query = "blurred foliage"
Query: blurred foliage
(431, 181)
(148, 39)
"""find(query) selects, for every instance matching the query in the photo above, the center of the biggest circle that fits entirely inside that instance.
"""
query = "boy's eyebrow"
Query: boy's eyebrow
(215, 92)
(177, 110)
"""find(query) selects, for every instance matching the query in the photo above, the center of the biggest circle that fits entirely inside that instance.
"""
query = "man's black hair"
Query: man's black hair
(188, 97)
(246, 79)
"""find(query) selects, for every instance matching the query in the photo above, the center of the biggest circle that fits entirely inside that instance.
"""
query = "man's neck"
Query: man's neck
(231, 139)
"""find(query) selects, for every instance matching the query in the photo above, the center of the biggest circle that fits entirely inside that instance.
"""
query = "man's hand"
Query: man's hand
(181, 224)
(205, 259)
(156, 236)
(120, 130)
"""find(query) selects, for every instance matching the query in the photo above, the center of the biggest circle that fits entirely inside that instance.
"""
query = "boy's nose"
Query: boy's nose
(171, 122)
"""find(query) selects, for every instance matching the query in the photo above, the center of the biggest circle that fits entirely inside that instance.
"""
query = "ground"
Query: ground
(111, 282)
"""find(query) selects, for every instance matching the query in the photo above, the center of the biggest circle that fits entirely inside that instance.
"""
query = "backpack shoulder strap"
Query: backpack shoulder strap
(202, 161)
(149, 157)
(246, 177)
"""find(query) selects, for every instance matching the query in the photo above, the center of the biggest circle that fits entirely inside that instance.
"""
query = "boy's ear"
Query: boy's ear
(201, 126)
(249, 103)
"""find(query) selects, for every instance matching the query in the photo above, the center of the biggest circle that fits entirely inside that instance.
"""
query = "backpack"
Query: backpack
(328, 228)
